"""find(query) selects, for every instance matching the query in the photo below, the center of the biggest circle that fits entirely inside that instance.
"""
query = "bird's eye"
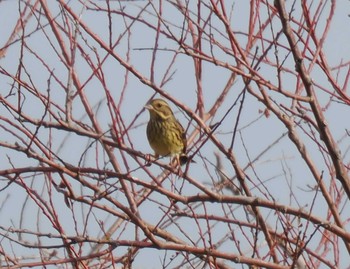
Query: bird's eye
(159, 105)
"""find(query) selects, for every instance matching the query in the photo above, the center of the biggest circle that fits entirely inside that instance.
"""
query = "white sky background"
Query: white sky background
(256, 137)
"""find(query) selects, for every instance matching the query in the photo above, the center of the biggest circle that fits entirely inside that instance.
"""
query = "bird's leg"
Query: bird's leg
(176, 163)
(150, 158)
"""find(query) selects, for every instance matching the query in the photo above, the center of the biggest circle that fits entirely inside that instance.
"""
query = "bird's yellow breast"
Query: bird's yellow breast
(164, 141)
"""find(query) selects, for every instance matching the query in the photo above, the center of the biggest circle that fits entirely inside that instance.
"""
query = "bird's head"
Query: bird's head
(159, 109)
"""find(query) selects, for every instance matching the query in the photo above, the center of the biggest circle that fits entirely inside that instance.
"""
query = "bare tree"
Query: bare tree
(261, 89)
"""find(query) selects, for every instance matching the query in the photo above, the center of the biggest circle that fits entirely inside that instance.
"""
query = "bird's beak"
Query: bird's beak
(148, 107)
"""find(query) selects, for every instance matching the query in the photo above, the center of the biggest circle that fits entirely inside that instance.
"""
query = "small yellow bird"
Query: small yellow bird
(165, 134)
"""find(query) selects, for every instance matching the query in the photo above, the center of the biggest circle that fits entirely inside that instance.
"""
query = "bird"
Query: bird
(165, 134)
